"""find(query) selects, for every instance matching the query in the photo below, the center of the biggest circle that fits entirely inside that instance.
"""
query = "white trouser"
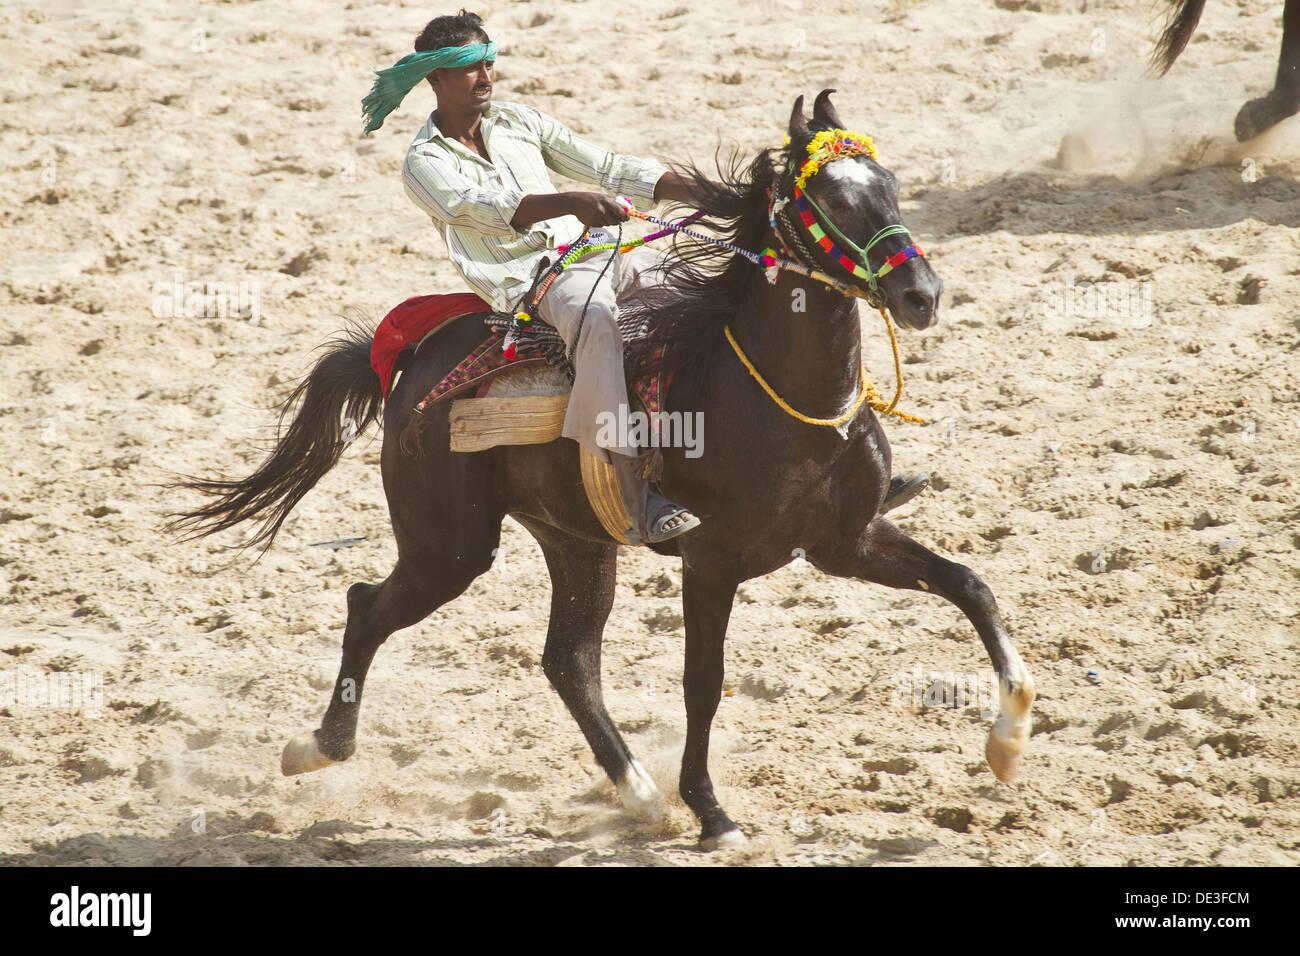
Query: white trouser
(599, 382)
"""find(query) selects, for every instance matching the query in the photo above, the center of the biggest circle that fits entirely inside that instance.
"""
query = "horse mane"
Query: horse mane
(1183, 17)
(704, 286)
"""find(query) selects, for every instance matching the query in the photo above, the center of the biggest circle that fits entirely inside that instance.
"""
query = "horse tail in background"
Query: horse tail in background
(342, 387)
(1184, 15)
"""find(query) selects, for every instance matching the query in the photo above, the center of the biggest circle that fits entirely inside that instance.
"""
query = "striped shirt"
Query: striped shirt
(473, 200)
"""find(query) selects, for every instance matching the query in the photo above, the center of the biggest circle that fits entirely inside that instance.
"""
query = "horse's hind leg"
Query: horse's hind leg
(582, 593)
(1283, 100)
(886, 556)
(417, 586)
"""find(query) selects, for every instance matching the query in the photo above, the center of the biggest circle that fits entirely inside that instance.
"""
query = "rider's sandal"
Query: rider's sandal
(664, 512)
(903, 489)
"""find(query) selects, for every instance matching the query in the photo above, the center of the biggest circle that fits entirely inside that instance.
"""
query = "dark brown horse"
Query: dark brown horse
(766, 485)
(1259, 114)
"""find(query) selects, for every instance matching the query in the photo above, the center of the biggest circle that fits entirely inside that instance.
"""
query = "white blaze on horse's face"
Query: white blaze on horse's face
(863, 190)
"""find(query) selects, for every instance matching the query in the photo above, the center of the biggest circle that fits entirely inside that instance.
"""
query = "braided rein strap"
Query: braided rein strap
(523, 318)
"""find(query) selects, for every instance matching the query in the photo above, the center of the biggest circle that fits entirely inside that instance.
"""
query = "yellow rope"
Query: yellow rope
(892, 408)
(867, 392)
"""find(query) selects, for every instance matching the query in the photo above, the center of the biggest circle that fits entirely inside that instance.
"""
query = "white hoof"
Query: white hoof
(729, 840)
(1010, 733)
(302, 755)
(639, 793)
(1003, 751)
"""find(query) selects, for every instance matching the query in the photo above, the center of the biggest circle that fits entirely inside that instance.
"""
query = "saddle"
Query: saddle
(507, 401)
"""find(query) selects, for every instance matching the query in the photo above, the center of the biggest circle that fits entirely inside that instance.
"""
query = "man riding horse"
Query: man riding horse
(811, 486)
(479, 169)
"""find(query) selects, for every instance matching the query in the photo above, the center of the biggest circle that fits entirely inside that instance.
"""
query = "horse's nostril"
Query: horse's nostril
(919, 303)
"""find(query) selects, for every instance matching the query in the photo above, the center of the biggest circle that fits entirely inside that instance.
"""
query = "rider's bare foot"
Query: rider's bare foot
(666, 519)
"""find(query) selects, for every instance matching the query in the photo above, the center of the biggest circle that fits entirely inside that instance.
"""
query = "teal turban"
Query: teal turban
(392, 84)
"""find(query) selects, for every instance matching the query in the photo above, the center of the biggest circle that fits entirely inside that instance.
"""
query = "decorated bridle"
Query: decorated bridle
(825, 147)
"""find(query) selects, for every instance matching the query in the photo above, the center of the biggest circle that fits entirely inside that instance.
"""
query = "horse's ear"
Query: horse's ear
(798, 122)
(824, 111)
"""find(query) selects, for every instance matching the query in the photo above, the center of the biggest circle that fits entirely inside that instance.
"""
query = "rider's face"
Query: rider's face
(465, 88)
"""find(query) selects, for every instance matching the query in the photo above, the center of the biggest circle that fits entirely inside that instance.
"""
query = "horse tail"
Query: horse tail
(336, 402)
(1183, 17)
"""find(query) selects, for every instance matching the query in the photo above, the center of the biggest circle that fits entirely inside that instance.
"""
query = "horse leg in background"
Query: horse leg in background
(1283, 100)
(707, 597)
(418, 585)
(884, 555)
(582, 594)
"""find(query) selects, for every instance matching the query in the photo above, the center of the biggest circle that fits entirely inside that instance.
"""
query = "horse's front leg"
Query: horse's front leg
(1283, 100)
(707, 596)
(884, 555)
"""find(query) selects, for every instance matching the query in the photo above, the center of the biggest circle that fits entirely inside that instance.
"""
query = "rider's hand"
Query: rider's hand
(596, 209)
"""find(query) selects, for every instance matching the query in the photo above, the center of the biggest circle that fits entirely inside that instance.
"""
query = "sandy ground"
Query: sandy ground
(1121, 472)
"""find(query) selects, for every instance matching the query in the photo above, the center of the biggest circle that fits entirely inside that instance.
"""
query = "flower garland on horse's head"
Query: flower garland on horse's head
(829, 145)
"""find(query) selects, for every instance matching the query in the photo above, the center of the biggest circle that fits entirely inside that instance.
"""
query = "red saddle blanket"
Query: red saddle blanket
(420, 314)
(410, 322)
